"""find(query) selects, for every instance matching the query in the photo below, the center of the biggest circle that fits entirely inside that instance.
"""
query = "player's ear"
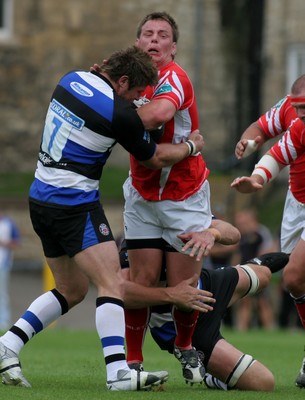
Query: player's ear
(174, 49)
(124, 82)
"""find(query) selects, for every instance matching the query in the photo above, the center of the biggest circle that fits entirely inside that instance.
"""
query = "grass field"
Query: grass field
(66, 364)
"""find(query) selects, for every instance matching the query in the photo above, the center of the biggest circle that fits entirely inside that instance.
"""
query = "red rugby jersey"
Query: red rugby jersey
(276, 121)
(183, 179)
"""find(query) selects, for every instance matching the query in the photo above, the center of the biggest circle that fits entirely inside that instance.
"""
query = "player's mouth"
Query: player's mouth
(153, 51)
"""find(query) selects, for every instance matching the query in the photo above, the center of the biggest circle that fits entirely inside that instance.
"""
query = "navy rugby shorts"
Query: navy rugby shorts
(69, 230)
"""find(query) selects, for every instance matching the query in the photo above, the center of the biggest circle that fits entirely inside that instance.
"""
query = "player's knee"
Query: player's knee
(294, 281)
(264, 276)
(267, 382)
(264, 380)
(75, 295)
(254, 282)
(255, 377)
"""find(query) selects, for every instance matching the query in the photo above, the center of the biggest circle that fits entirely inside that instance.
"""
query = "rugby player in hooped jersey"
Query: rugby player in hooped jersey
(160, 205)
(86, 118)
(273, 123)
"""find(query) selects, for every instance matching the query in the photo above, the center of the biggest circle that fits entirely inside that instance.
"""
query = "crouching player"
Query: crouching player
(226, 366)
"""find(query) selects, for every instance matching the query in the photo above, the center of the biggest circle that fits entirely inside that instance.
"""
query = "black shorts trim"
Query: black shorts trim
(161, 244)
(133, 244)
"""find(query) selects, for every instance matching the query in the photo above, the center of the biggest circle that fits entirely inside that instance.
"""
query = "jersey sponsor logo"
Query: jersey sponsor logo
(45, 158)
(279, 104)
(67, 115)
(81, 89)
(166, 88)
(103, 228)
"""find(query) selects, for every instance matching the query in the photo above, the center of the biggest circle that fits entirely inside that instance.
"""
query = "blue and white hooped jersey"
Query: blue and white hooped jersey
(84, 121)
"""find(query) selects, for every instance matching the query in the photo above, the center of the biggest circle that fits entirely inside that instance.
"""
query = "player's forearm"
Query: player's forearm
(267, 168)
(253, 131)
(156, 113)
(167, 154)
(138, 296)
(229, 234)
(184, 295)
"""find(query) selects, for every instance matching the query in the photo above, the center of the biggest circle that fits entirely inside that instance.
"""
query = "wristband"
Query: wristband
(192, 147)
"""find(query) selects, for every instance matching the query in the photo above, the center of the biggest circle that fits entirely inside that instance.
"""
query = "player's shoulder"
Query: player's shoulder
(174, 69)
(297, 128)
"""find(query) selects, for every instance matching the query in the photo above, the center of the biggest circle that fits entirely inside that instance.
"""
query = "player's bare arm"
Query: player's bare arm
(156, 113)
(183, 295)
(265, 170)
(201, 243)
(169, 154)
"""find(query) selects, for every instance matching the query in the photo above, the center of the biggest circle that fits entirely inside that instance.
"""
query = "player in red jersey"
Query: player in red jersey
(160, 205)
(288, 114)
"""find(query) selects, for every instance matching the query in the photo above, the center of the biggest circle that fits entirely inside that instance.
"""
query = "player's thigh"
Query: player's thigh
(180, 267)
(140, 216)
(294, 272)
(145, 265)
(223, 359)
(191, 215)
(102, 266)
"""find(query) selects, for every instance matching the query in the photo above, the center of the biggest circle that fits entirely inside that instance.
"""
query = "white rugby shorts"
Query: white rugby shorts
(293, 223)
(165, 219)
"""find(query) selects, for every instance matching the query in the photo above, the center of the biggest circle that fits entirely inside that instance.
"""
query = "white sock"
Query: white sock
(44, 310)
(214, 383)
(110, 325)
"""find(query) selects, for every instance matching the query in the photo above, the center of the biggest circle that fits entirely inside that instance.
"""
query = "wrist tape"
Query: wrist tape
(251, 148)
(267, 168)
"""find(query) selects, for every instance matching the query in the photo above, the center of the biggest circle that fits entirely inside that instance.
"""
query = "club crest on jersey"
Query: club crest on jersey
(81, 89)
(166, 88)
(103, 228)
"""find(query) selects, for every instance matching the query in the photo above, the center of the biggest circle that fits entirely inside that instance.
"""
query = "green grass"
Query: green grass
(64, 364)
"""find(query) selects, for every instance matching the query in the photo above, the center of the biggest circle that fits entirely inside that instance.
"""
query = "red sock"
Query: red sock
(301, 311)
(185, 326)
(136, 324)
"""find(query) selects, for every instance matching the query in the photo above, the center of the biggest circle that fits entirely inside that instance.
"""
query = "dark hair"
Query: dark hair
(134, 63)
(163, 16)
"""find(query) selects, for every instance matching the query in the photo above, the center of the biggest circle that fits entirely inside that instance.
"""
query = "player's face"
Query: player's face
(157, 40)
(300, 110)
(298, 103)
(132, 94)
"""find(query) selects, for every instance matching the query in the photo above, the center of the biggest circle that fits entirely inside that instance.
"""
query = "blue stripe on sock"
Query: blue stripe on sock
(33, 320)
(112, 341)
